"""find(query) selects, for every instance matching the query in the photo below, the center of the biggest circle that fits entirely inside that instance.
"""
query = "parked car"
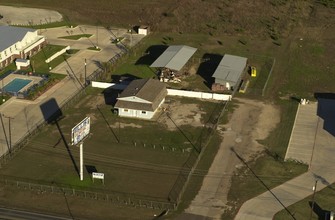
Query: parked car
(253, 71)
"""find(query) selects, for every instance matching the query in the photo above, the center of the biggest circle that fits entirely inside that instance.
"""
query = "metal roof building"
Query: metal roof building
(174, 57)
(230, 70)
(10, 35)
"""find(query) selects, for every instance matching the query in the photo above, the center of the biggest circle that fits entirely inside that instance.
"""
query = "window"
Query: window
(144, 112)
(125, 110)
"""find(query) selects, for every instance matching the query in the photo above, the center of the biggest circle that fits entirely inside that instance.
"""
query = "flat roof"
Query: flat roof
(230, 68)
(174, 57)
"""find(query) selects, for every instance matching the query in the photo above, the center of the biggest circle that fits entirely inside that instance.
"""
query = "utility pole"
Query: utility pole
(97, 47)
(2, 91)
(85, 73)
(314, 190)
(9, 132)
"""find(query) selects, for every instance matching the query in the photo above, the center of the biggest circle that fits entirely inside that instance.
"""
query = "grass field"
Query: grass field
(302, 68)
(130, 152)
(38, 61)
(76, 37)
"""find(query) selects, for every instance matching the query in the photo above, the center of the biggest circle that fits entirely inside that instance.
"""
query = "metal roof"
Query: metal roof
(10, 35)
(174, 57)
(230, 68)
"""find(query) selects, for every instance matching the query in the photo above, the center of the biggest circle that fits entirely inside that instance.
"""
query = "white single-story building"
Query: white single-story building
(22, 63)
(17, 42)
(229, 71)
(141, 98)
(143, 30)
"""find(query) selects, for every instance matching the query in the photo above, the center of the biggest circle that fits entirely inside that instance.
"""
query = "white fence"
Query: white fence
(104, 85)
(199, 95)
(57, 54)
(171, 92)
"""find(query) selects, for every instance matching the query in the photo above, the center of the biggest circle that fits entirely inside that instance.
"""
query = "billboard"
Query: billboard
(80, 131)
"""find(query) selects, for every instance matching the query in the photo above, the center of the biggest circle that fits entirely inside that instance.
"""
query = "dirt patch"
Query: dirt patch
(177, 114)
(123, 125)
(90, 102)
(251, 121)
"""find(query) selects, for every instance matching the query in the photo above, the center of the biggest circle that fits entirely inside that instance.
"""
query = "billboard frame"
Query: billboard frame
(80, 131)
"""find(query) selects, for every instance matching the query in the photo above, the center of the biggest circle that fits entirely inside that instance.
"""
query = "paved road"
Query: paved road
(266, 205)
(24, 215)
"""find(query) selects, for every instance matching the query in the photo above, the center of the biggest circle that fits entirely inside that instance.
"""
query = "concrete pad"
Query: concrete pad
(302, 141)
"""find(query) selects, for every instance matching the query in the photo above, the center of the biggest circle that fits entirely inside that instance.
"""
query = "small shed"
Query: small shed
(22, 63)
(174, 57)
(143, 30)
(141, 98)
(229, 71)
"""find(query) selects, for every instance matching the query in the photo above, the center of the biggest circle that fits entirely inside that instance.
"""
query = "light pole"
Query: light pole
(97, 47)
(2, 91)
(85, 73)
(314, 190)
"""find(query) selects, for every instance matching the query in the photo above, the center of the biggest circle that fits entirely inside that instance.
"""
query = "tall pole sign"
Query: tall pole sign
(78, 134)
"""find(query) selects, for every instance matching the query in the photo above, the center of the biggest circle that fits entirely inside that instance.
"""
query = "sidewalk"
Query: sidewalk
(266, 205)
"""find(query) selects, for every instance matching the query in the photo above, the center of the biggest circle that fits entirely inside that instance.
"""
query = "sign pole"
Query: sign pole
(81, 162)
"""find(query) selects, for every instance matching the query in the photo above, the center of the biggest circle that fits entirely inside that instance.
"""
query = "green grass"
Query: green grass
(278, 139)
(77, 37)
(10, 67)
(324, 202)
(270, 167)
(308, 72)
(141, 170)
(94, 48)
(38, 61)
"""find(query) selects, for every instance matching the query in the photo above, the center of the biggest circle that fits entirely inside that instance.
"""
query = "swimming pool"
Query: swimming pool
(16, 85)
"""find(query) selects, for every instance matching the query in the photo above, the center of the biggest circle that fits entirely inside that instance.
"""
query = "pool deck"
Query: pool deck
(11, 77)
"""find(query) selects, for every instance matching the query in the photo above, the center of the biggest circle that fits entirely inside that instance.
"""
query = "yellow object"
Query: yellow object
(244, 86)
(253, 71)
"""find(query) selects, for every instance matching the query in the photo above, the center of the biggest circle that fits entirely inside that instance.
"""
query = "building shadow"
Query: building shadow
(125, 78)
(326, 110)
(209, 63)
(151, 54)
(321, 213)
(110, 96)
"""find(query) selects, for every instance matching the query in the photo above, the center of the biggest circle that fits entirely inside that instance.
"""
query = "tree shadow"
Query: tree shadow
(208, 66)
(326, 110)
(151, 54)
(295, 98)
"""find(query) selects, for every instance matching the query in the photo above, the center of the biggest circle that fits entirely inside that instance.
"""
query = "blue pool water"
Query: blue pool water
(16, 85)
